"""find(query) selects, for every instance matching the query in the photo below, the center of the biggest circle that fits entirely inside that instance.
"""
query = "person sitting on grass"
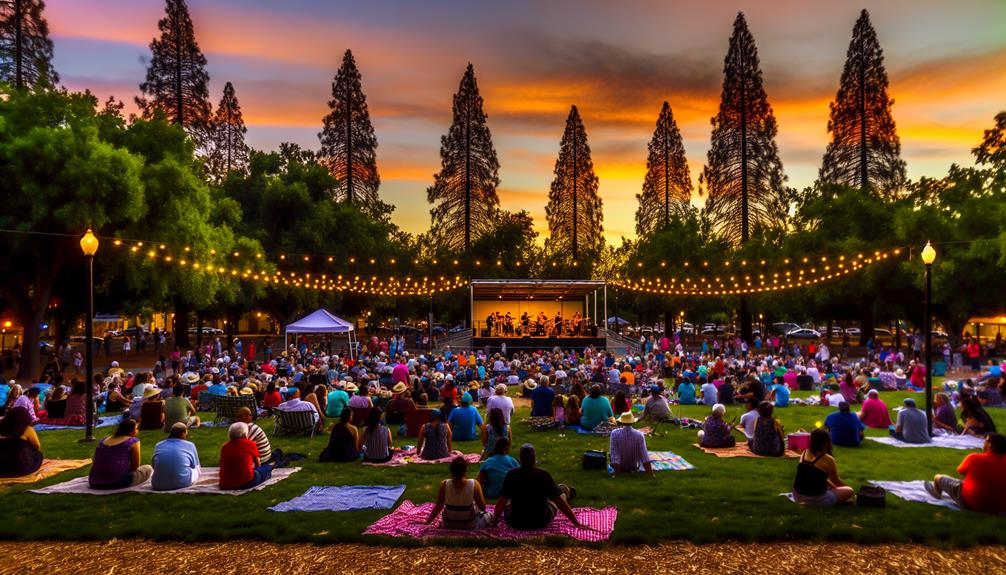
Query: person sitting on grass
(114, 400)
(874, 413)
(749, 419)
(465, 420)
(494, 431)
(295, 403)
(977, 421)
(845, 427)
(494, 468)
(715, 431)
(620, 404)
(541, 400)
(530, 498)
(116, 461)
(375, 441)
(912, 425)
(779, 392)
(725, 393)
(572, 411)
(768, 439)
(178, 409)
(944, 417)
(175, 460)
(256, 434)
(20, 448)
(461, 500)
(595, 409)
(434, 437)
(984, 475)
(708, 392)
(502, 402)
(627, 447)
(686, 392)
(342, 442)
(657, 408)
(817, 483)
(273, 398)
(240, 464)
(362, 398)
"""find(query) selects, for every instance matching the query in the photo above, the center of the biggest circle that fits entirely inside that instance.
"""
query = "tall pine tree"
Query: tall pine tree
(743, 176)
(176, 78)
(348, 144)
(227, 150)
(25, 47)
(667, 188)
(574, 208)
(865, 150)
(464, 192)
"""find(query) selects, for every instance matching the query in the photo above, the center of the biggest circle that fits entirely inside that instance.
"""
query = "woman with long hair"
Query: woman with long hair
(375, 441)
(20, 449)
(817, 483)
(495, 430)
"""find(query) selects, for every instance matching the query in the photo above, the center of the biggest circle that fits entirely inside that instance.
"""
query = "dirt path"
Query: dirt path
(248, 558)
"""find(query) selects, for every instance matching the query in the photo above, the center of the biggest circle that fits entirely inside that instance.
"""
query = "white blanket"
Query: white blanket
(947, 441)
(915, 491)
(208, 484)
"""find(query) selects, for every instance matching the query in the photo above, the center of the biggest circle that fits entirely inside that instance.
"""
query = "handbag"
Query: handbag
(871, 496)
(595, 460)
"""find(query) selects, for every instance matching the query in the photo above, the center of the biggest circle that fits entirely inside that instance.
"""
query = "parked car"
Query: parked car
(783, 328)
(206, 330)
(804, 333)
(853, 333)
(80, 339)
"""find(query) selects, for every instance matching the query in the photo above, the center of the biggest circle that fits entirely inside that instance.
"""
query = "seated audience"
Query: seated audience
(362, 398)
(686, 393)
(715, 431)
(296, 404)
(273, 398)
(595, 409)
(179, 409)
(501, 401)
(20, 448)
(461, 500)
(151, 409)
(530, 498)
(912, 425)
(375, 441)
(976, 420)
(240, 464)
(874, 413)
(434, 437)
(465, 420)
(750, 417)
(256, 434)
(726, 392)
(572, 411)
(845, 427)
(342, 441)
(769, 439)
(541, 400)
(657, 409)
(114, 400)
(779, 392)
(495, 467)
(627, 447)
(55, 405)
(175, 460)
(944, 417)
(116, 461)
(492, 432)
(984, 475)
(708, 393)
(817, 483)
(400, 403)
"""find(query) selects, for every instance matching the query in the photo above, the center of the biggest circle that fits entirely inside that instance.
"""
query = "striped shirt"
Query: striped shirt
(628, 448)
(256, 434)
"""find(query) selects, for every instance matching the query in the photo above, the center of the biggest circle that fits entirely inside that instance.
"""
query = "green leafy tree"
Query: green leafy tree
(25, 47)
(574, 207)
(865, 150)
(667, 187)
(227, 149)
(463, 194)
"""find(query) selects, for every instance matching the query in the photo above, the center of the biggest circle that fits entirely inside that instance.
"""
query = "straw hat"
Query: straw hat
(627, 418)
(190, 377)
(151, 391)
(530, 384)
(900, 373)
(247, 391)
(399, 387)
(351, 387)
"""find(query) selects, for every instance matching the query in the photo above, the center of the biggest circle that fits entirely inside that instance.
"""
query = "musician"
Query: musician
(540, 325)
(525, 321)
(489, 324)
(557, 325)
(577, 322)
(508, 324)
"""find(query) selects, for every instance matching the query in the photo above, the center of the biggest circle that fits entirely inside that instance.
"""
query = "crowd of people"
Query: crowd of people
(364, 403)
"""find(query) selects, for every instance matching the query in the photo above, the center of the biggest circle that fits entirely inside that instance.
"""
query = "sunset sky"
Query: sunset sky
(617, 61)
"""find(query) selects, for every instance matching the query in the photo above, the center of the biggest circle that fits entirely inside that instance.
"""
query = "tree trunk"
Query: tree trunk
(199, 329)
(745, 320)
(668, 323)
(897, 334)
(866, 322)
(31, 323)
(181, 325)
(232, 326)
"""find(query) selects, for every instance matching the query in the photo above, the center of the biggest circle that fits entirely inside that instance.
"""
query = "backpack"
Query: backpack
(871, 496)
(595, 460)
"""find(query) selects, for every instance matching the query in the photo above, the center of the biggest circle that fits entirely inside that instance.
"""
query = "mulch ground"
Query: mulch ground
(246, 558)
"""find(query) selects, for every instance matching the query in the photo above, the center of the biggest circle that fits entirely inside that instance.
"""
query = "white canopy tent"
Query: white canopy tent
(321, 321)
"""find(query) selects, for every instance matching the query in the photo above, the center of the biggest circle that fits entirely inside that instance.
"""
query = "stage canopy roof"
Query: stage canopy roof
(534, 289)
(320, 321)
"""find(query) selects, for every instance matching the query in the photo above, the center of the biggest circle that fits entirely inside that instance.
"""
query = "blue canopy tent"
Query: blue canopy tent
(321, 321)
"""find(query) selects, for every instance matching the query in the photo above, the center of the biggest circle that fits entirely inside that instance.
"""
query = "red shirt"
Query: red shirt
(272, 399)
(196, 389)
(984, 477)
(237, 463)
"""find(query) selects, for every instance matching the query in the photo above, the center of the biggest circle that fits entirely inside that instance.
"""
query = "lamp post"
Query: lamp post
(928, 257)
(89, 245)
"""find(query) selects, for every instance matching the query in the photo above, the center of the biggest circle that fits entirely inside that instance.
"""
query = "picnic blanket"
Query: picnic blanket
(605, 431)
(741, 450)
(208, 484)
(915, 491)
(407, 456)
(49, 468)
(665, 461)
(409, 521)
(945, 441)
(110, 421)
(343, 498)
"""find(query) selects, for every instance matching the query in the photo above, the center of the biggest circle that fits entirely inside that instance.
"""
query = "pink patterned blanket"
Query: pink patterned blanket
(409, 521)
(400, 458)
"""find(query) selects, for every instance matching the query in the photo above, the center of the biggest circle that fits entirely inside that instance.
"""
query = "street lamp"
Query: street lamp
(89, 245)
(928, 257)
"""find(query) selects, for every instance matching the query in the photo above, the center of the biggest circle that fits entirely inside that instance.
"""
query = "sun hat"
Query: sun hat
(399, 387)
(151, 391)
(627, 418)
(530, 384)
(899, 373)
(190, 377)
(247, 391)
(501, 389)
(351, 387)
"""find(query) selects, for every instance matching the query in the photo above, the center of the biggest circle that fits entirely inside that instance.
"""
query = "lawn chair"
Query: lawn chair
(204, 401)
(227, 407)
(294, 422)
(414, 420)
(360, 415)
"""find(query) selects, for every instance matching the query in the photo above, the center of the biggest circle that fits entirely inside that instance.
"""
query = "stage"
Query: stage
(495, 344)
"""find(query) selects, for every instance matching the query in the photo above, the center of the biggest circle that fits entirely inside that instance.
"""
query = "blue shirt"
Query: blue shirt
(337, 401)
(464, 420)
(173, 461)
(541, 401)
(686, 393)
(594, 410)
(496, 468)
(781, 395)
(4, 392)
(217, 389)
(844, 428)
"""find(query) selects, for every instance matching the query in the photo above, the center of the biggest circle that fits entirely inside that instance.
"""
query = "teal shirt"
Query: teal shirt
(686, 393)
(594, 411)
(496, 468)
(337, 401)
(781, 395)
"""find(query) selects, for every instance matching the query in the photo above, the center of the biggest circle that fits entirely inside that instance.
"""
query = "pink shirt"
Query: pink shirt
(400, 374)
(874, 414)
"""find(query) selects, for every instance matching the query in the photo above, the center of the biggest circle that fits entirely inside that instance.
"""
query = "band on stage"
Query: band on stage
(509, 325)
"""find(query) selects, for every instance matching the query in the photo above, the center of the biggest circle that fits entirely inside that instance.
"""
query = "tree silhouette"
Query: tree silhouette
(574, 208)
(865, 150)
(667, 188)
(348, 144)
(25, 47)
(464, 192)
(176, 78)
(227, 149)
(743, 175)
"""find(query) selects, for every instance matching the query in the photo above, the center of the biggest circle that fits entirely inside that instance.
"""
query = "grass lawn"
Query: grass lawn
(721, 499)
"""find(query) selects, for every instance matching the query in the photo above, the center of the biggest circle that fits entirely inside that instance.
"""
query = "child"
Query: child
(484, 393)
(572, 410)
(560, 410)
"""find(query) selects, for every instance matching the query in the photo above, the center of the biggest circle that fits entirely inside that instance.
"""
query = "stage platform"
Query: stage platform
(536, 343)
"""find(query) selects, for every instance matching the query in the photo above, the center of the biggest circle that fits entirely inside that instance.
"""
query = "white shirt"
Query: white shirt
(503, 403)
(835, 399)
(748, 421)
(814, 374)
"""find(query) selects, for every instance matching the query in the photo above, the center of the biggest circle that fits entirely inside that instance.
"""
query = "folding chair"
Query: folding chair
(227, 407)
(294, 422)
